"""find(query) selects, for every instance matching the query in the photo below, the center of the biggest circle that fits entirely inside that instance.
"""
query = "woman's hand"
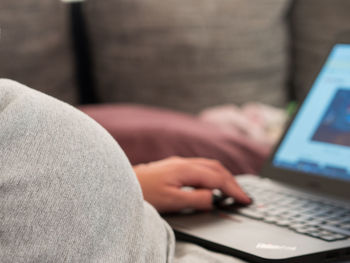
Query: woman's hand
(162, 183)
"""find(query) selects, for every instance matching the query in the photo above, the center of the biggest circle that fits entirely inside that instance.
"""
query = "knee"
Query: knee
(63, 177)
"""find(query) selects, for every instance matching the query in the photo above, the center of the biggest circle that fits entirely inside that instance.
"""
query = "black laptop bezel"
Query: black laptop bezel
(312, 182)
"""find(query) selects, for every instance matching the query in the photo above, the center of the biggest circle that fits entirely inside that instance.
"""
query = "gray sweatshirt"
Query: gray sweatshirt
(69, 194)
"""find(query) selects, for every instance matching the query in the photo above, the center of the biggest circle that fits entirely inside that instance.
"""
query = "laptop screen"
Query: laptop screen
(318, 140)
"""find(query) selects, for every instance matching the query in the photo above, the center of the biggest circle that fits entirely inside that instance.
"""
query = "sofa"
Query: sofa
(175, 58)
(183, 56)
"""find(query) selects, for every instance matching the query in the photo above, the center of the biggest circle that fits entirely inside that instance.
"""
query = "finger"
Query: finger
(201, 176)
(211, 164)
(200, 199)
(233, 189)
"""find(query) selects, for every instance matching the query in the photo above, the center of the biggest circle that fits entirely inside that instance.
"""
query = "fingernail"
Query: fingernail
(247, 199)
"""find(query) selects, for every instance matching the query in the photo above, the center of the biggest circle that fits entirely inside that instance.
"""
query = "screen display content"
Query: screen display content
(318, 141)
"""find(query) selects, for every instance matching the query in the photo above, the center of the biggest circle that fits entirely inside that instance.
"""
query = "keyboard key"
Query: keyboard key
(332, 237)
(250, 213)
(283, 222)
(317, 218)
(336, 230)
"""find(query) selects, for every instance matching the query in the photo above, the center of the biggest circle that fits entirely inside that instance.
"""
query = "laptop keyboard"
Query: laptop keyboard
(304, 215)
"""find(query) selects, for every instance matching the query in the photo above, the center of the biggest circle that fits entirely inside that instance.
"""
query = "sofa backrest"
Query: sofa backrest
(315, 26)
(183, 55)
(188, 54)
(35, 46)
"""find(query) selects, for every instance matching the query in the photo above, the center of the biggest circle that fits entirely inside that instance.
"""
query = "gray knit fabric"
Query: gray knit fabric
(189, 54)
(316, 25)
(35, 46)
(69, 194)
(67, 191)
(191, 253)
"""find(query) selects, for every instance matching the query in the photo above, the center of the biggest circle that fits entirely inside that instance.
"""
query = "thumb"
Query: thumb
(199, 199)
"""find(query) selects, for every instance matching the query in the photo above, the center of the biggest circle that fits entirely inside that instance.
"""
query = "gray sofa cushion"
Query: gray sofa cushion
(35, 47)
(188, 54)
(316, 24)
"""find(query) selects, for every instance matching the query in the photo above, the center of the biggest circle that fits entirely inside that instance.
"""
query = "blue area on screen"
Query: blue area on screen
(318, 141)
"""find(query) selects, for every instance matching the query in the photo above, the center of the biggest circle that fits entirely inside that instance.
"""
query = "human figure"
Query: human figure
(69, 194)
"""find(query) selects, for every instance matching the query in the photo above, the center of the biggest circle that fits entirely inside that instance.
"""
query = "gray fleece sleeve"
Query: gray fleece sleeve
(67, 191)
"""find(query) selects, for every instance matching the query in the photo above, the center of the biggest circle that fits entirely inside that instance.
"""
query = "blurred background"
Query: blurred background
(186, 56)
(180, 54)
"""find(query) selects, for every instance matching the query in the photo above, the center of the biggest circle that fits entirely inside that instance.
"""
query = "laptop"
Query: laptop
(301, 208)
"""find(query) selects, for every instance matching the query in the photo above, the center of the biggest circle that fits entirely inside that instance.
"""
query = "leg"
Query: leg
(68, 193)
